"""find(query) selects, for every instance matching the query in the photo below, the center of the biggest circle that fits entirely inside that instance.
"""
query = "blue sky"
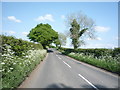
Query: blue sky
(20, 17)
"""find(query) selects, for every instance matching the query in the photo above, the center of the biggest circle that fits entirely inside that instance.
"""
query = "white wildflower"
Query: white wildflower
(11, 68)
(2, 63)
(0, 70)
(14, 63)
(26, 56)
(8, 70)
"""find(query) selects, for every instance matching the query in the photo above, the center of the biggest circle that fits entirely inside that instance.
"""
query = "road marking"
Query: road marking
(88, 82)
(59, 57)
(56, 55)
(67, 64)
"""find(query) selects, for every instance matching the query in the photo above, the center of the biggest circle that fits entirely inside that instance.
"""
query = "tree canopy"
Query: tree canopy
(74, 30)
(80, 26)
(44, 34)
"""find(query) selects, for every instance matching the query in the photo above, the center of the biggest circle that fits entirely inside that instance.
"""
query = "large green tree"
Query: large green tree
(80, 27)
(44, 34)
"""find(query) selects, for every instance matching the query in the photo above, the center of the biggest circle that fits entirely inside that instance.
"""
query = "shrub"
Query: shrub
(106, 62)
(18, 59)
(15, 69)
(108, 59)
(18, 46)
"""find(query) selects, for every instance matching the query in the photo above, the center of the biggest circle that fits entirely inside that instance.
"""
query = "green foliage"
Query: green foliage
(81, 27)
(44, 34)
(15, 69)
(96, 52)
(107, 63)
(108, 59)
(57, 43)
(76, 33)
(115, 52)
(18, 46)
(18, 59)
(51, 46)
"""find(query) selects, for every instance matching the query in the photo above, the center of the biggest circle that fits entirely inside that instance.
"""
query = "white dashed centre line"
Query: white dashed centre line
(88, 82)
(67, 64)
(59, 57)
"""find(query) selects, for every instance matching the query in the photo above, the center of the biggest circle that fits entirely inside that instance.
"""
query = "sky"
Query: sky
(18, 18)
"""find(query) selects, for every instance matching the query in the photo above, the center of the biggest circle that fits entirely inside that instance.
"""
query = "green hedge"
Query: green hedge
(96, 52)
(16, 69)
(18, 58)
(108, 59)
(18, 46)
(110, 64)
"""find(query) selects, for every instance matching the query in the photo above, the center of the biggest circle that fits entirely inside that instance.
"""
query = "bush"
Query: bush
(106, 62)
(108, 59)
(15, 69)
(115, 52)
(96, 52)
(18, 59)
(18, 46)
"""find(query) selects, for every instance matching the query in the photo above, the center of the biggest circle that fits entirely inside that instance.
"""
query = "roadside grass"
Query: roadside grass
(15, 68)
(106, 62)
(18, 58)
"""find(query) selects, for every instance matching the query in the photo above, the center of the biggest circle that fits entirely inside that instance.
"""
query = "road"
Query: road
(59, 71)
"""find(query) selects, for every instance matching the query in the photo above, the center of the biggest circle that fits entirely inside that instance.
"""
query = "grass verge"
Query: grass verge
(109, 65)
(16, 69)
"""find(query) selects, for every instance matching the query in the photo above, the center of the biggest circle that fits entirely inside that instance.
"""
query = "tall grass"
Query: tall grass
(15, 69)
(106, 62)
(108, 59)
(18, 58)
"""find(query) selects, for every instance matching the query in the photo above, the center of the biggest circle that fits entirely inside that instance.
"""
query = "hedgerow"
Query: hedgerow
(18, 46)
(105, 62)
(18, 59)
(96, 52)
(108, 59)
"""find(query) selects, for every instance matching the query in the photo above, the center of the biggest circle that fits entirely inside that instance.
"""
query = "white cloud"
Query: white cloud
(100, 46)
(47, 17)
(11, 32)
(89, 39)
(13, 18)
(101, 28)
(25, 33)
(98, 38)
(62, 16)
(8, 32)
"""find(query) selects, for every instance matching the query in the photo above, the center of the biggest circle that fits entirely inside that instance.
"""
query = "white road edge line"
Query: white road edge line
(59, 57)
(88, 82)
(67, 64)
